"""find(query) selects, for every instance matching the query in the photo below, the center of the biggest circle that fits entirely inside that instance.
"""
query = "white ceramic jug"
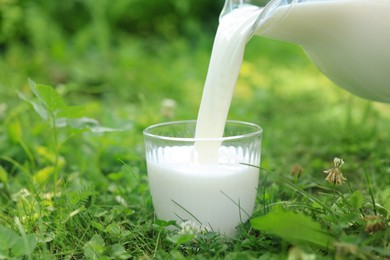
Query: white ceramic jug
(348, 40)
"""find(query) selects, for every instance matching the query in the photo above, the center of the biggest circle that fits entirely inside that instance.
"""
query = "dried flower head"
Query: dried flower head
(343, 248)
(374, 223)
(296, 170)
(334, 175)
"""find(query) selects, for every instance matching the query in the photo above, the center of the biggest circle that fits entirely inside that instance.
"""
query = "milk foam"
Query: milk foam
(219, 195)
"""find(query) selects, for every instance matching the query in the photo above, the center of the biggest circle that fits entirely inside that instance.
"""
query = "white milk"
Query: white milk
(349, 41)
(219, 195)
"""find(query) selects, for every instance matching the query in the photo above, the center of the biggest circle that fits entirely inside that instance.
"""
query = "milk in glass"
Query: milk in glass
(216, 195)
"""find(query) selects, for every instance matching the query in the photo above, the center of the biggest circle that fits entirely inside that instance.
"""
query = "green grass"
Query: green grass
(81, 191)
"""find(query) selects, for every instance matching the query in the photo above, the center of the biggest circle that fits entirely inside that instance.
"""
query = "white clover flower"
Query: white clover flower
(168, 107)
(338, 162)
(334, 175)
(189, 227)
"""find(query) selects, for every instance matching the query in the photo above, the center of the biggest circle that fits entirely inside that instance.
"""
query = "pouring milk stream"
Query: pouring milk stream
(348, 40)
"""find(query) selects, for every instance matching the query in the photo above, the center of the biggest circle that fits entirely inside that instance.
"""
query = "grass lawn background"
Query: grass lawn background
(82, 192)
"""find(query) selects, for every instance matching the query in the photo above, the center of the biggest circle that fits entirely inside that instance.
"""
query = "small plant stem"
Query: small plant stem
(265, 206)
(189, 213)
(352, 191)
(24, 236)
(371, 192)
(137, 179)
(349, 186)
(56, 155)
(29, 154)
(157, 243)
(22, 168)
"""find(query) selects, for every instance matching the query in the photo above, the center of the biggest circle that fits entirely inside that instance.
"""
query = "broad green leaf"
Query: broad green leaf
(46, 154)
(385, 199)
(113, 229)
(122, 210)
(116, 176)
(38, 107)
(48, 96)
(15, 131)
(71, 112)
(52, 106)
(163, 223)
(50, 102)
(356, 199)
(97, 225)
(119, 252)
(240, 256)
(294, 228)
(179, 239)
(94, 248)
(4, 254)
(90, 124)
(176, 254)
(24, 245)
(43, 175)
(8, 238)
(3, 177)
(84, 122)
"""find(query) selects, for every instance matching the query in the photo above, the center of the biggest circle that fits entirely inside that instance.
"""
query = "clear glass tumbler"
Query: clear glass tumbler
(217, 194)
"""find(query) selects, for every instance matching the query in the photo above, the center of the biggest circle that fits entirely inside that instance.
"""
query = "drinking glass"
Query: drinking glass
(216, 195)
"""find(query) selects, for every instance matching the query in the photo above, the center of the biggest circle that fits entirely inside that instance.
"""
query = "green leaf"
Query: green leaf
(385, 199)
(97, 225)
(15, 131)
(24, 245)
(3, 178)
(38, 107)
(356, 199)
(113, 229)
(43, 175)
(90, 124)
(179, 239)
(239, 256)
(50, 102)
(163, 223)
(48, 96)
(119, 252)
(94, 248)
(294, 228)
(8, 238)
(177, 255)
(71, 112)
(4, 254)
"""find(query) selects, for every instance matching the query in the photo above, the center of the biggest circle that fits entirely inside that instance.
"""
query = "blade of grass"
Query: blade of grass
(371, 192)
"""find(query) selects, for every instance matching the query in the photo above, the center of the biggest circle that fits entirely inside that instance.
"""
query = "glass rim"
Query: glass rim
(257, 130)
